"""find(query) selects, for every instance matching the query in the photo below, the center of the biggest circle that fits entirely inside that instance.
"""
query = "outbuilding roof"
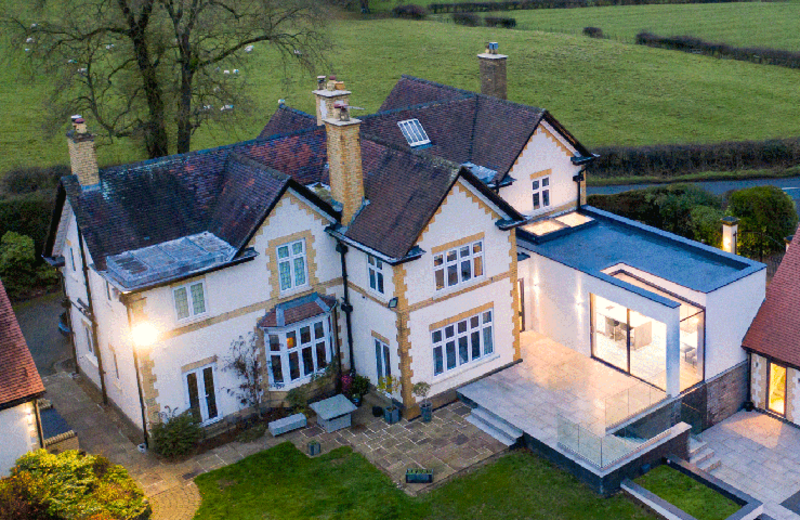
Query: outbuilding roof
(775, 331)
(19, 379)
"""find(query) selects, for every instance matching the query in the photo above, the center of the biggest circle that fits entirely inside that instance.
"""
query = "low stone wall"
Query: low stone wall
(61, 443)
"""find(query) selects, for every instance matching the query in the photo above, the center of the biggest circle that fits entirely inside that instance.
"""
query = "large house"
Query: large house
(20, 388)
(418, 242)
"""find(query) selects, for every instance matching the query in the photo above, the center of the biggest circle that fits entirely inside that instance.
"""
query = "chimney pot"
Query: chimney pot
(321, 82)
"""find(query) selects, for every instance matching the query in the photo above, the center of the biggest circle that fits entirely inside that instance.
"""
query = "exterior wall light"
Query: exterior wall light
(730, 233)
(144, 334)
(393, 303)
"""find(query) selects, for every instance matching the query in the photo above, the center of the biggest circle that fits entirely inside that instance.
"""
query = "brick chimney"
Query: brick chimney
(82, 156)
(344, 161)
(493, 71)
(328, 93)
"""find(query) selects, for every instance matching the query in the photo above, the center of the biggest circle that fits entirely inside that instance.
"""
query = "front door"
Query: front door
(201, 394)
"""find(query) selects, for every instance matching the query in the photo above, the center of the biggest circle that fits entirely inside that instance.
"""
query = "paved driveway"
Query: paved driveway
(761, 456)
(38, 320)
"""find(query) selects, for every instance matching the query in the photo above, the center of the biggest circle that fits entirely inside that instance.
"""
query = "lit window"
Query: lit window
(190, 300)
(459, 265)
(299, 352)
(541, 193)
(462, 342)
(292, 265)
(375, 268)
(413, 132)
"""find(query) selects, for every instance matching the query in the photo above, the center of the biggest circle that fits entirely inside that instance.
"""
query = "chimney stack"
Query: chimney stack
(82, 155)
(329, 93)
(493, 71)
(344, 160)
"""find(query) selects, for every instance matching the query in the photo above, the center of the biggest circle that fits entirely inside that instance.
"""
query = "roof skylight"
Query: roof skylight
(413, 132)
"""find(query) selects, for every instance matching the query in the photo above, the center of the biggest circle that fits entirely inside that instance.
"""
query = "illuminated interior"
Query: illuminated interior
(776, 401)
(548, 225)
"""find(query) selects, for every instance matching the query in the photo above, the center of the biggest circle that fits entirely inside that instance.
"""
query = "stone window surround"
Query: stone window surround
(199, 370)
(542, 191)
(290, 261)
(272, 264)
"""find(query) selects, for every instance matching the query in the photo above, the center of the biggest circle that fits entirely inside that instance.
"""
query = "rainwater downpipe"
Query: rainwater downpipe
(93, 320)
(346, 307)
(579, 178)
(138, 376)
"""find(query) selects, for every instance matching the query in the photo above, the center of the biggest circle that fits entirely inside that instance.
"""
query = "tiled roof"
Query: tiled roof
(297, 310)
(410, 91)
(775, 332)
(287, 119)
(19, 379)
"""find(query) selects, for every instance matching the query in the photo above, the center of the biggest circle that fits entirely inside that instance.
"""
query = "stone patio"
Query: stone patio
(448, 445)
(761, 456)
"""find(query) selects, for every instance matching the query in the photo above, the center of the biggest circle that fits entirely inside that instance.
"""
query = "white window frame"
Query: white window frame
(285, 353)
(453, 338)
(89, 340)
(471, 255)
(375, 274)
(190, 303)
(540, 198)
(291, 261)
(414, 132)
(383, 359)
(202, 400)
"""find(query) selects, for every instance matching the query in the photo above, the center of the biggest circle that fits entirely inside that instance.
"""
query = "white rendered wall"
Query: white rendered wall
(18, 431)
(542, 153)
(729, 312)
(450, 225)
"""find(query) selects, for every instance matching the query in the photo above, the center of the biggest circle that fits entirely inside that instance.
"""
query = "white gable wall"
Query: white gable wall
(18, 431)
(546, 150)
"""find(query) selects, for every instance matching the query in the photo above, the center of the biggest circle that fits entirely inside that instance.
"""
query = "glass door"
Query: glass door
(776, 398)
(610, 332)
(201, 394)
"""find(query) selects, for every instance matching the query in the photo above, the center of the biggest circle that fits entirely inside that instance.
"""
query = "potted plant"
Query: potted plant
(421, 390)
(419, 476)
(360, 385)
(314, 448)
(356, 399)
(389, 385)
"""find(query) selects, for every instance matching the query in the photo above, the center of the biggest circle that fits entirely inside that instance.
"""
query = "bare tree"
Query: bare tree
(135, 65)
(245, 363)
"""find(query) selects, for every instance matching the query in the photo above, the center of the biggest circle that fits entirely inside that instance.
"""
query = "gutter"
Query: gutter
(334, 231)
(346, 306)
(580, 160)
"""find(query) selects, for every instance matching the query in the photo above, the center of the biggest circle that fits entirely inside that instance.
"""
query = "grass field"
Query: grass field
(605, 92)
(684, 492)
(743, 24)
(283, 484)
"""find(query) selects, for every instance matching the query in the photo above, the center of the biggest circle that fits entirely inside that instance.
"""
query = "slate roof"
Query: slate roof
(775, 332)
(19, 379)
(287, 119)
(297, 310)
(410, 91)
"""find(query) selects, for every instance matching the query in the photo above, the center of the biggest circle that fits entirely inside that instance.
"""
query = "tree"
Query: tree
(767, 215)
(18, 268)
(136, 64)
(245, 363)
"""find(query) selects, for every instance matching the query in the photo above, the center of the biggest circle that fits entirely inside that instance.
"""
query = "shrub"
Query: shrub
(468, 19)
(766, 216)
(177, 434)
(18, 266)
(706, 225)
(22, 181)
(360, 385)
(593, 32)
(297, 399)
(505, 23)
(27, 214)
(411, 11)
(70, 486)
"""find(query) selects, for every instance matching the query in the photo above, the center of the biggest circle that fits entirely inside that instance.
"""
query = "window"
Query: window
(292, 265)
(375, 268)
(413, 132)
(201, 394)
(459, 265)
(72, 258)
(541, 193)
(383, 358)
(462, 342)
(298, 352)
(776, 397)
(89, 342)
(190, 300)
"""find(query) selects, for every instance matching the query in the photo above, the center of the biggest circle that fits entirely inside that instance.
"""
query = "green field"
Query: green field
(605, 92)
(743, 24)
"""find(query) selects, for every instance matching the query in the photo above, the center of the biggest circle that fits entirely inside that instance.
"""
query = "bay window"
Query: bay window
(463, 342)
(458, 266)
(298, 351)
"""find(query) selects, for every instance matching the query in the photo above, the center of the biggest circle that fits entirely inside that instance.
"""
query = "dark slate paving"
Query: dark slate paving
(792, 503)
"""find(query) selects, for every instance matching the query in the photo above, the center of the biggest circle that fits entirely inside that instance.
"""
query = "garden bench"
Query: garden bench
(287, 424)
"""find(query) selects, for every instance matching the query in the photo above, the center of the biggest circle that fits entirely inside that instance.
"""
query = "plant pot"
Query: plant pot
(391, 414)
(377, 411)
(314, 448)
(426, 409)
(356, 399)
(419, 476)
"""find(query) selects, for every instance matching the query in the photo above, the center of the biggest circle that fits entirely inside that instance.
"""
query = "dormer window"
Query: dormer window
(413, 132)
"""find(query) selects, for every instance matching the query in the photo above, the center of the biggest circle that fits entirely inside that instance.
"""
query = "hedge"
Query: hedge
(411, 11)
(498, 21)
(681, 159)
(513, 5)
(760, 55)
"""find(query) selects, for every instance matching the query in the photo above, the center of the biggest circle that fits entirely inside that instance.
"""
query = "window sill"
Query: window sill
(192, 319)
(297, 383)
(465, 368)
(444, 293)
(293, 291)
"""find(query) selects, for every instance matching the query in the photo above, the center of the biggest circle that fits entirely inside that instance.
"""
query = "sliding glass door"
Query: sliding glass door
(776, 396)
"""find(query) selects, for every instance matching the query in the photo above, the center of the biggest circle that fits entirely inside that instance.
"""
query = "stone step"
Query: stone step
(497, 422)
(695, 445)
(710, 464)
(701, 456)
(498, 434)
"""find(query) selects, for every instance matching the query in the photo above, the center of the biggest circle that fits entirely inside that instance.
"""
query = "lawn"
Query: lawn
(605, 92)
(283, 484)
(687, 494)
(743, 24)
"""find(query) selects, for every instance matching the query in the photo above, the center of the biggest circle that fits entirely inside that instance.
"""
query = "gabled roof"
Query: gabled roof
(775, 332)
(410, 91)
(287, 119)
(19, 379)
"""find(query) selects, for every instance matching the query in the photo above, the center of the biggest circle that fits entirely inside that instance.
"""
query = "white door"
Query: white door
(201, 393)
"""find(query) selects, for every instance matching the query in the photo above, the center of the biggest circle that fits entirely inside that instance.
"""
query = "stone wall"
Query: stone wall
(726, 393)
